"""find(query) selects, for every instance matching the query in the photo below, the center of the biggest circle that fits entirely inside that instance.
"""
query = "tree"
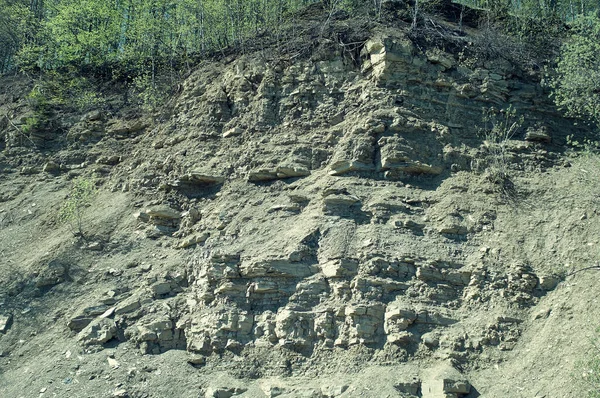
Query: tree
(576, 84)
(16, 26)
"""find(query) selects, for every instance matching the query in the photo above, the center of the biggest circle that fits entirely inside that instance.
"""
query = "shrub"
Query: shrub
(79, 199)
(500, 126)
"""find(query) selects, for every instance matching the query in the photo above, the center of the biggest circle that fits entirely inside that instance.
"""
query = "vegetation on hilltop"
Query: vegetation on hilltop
(136, 40)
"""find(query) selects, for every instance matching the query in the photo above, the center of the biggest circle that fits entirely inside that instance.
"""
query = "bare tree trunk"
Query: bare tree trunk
(415, 15)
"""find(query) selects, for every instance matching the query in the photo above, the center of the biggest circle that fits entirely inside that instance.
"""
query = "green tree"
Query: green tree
(17, 25)
(576, 84)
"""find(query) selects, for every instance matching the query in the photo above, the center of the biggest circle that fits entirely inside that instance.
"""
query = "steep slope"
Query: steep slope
(325, 226)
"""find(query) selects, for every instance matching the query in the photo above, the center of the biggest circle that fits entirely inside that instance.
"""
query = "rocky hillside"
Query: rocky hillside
(340, 225)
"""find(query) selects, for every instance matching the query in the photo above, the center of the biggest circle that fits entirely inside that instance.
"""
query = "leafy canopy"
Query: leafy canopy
(577, 81)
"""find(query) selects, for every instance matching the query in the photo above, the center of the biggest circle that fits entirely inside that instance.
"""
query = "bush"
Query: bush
(73, 209)
(149, 93)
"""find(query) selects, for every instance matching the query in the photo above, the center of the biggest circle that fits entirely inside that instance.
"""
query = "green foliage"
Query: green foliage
(577, 79)
(148, 93)
(73, 209)
(16, 26)
(32, 123)
(583, 146)
(142, 34)
(68, 91)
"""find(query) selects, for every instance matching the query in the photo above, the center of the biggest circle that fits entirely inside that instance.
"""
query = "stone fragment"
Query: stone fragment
(261, 175)
(159, 289)
(98, 332)
(5, 322)
(94, 246)
(202, 178)
(121, 393)
(549, 282)
(79, 322)
(291, 171)
(223, 392)
(400, 338)
(113, 363)
(284, 207)
(29, 170)
(346, 166)
(164, 212)
(197, 360)
(444, 381)
(452, 229)
(538, 134)
(298, 198)
(110, 160)
(129, 305)
(192, 240)
(121, 129)
(233, 132)
(431, 340)
(282, 172)
(334, 390)
(51, 167)
(398, 318)
(340, 267)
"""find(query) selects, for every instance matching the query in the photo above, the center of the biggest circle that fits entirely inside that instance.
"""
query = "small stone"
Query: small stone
(108, 313)
(202, 178)
(544, 313)
(113, 363)
(233, 132)
(161, 289)
(92, 116)
(193, 240)
(28, 170)
(98, 332)
(164, 212)
(121, 393)
(539, 134)
(146, 267)
(5, 322)
(549, 282)
(410, 387)
(94, 246)
(431, 340)
(127, 306)
(197, 360)
(51, 167)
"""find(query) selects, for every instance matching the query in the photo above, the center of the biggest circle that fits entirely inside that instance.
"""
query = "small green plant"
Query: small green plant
(500, 127)
(32, 124)
(73, 209)
(584, 146)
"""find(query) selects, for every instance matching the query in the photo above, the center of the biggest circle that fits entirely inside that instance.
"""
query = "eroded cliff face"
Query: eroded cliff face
(299, 214)
(310, 192)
